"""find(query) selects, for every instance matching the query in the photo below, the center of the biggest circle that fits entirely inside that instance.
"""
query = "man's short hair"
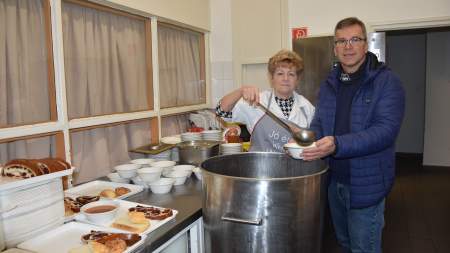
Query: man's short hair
(346, 22)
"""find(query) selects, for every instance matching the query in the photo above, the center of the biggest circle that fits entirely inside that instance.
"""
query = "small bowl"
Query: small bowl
(149, 174)
(179, 176)
(164, 164)
(115, 177)
(101, 211)
(295, 150)
(143, 161)
(163, 185)
(198, 173)
(184, 167)
(138, 181)
(128, 170)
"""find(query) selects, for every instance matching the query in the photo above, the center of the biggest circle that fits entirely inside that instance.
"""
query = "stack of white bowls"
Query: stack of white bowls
(230, 148)
(191, 136)
(212, 135)
(165, 165)
(165, 155)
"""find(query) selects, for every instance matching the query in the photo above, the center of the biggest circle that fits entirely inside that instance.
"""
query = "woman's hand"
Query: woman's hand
(250, 94)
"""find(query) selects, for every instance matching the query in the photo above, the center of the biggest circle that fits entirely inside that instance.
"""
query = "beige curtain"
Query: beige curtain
(179, 67)
(105, 64)
(24, 79)
(97, 151)
(172, 125)
(105, 68)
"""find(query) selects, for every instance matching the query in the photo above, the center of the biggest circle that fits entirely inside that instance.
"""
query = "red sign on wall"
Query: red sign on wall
(301, 32)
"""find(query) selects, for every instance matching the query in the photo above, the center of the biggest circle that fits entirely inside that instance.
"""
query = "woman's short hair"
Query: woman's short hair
(351, 21)
(285, 58)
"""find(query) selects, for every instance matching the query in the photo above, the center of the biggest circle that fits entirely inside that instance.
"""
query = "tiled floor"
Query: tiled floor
(417, 216)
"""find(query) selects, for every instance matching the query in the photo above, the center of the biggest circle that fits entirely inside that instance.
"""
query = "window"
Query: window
(27, 93)
(181, 67)
(106, 61)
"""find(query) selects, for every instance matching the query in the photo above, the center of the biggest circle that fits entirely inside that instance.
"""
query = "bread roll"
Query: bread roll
(108, 193)
(121, 191)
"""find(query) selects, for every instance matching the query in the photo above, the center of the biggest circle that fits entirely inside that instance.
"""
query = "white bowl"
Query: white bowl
(143, 161)
(128, 170)
(101, 211)
(179, 176)
(138, 181)
(295, 150)
(164, 164)
(115, 177)
(150, 174)
(184, 167)
(198, 173)
(163, 185)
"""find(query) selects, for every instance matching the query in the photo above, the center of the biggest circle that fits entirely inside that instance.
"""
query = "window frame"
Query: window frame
(60, 125)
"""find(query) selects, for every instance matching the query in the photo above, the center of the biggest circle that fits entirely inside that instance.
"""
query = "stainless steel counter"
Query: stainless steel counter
(186, 199)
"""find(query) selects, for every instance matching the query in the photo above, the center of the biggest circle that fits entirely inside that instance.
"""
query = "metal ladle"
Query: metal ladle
(303, 137)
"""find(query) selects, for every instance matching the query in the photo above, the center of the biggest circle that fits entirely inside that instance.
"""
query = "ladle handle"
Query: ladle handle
(274, 117)
(256, 222)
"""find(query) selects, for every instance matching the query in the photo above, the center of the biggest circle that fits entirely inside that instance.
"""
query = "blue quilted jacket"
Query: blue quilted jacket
(375, 119)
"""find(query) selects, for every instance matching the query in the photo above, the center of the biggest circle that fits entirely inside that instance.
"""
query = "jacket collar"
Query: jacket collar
(372, 68)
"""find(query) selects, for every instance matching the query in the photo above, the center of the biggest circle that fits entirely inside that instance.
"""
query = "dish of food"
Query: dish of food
(104, 189)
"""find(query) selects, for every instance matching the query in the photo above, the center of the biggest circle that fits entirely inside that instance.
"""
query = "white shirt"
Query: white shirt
(301, 114)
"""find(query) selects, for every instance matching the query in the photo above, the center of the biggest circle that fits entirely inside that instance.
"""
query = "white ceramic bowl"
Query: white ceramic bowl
(150, 174)
(128, 170)
(295, 150)
(179, 176)
(138, 181)
(198, 173)
(101, 211)
(163, 185)
(115, 177)
(143, 161)
(164, 164)
(184, 167)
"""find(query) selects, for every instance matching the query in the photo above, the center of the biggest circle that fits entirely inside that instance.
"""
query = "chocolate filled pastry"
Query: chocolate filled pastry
(121, 191)
(83, 200)
(27, 168)
(153, 213)
(103, 237)
(71, 206)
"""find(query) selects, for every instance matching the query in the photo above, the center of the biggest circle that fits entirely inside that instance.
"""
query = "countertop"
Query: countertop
(186, 199)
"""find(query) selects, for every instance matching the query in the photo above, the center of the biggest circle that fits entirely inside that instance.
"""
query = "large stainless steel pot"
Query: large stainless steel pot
(263, 202)
(195, 152)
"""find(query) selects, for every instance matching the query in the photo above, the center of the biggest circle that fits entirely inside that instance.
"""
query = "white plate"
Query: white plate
(67, 237)
(94, 188)
(123, 211)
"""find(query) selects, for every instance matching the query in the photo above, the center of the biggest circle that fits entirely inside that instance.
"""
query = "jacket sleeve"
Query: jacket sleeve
(384, 123)
(316, 124)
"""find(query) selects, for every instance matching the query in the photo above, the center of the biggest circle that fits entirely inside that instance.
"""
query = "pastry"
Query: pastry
(103, 237)
(121, 191)
(83, 200)
(108, 193)
(125, 223)
(137, 217)
(153, 213)
(116, 245)
(27, 168)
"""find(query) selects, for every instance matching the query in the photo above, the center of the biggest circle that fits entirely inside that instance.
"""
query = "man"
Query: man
(358, 117)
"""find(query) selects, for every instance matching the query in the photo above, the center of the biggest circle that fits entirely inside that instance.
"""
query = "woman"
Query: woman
(284, 70)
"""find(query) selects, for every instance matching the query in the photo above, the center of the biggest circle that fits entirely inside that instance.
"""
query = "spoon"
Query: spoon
(303, 137)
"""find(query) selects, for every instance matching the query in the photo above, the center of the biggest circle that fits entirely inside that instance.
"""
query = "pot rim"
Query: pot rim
(325, 170)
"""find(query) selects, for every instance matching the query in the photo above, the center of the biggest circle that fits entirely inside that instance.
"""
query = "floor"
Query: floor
(417, 216)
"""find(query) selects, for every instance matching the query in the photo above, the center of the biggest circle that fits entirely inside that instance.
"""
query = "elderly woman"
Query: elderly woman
(284, 70)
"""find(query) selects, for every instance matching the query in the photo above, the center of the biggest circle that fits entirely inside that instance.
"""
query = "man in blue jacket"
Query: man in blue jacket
(358, 117)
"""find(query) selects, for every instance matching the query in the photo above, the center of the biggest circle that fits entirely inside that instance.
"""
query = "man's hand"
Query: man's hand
(323, 148)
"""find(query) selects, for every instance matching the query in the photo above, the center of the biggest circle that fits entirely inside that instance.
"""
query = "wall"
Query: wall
(320, 16)
(190, 12)
(437, 123)
(406, 56)
(221, 50)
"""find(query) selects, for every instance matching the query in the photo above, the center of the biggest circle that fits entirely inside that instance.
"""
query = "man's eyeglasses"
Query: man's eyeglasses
(353, 41)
